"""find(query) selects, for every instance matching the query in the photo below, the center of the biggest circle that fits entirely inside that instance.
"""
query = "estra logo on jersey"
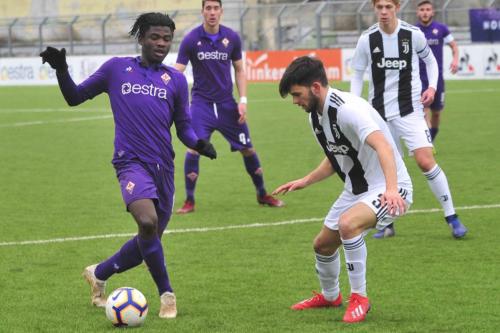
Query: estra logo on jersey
(392, 63)
(214, 55)
(144, 89)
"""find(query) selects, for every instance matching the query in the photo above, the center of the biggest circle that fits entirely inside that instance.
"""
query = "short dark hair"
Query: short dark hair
(203, 2)
(148, 20)
(424, 2)
(396, 2)
(303, 71)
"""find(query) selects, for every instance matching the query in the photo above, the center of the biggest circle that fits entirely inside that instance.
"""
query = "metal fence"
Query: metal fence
(308, 24)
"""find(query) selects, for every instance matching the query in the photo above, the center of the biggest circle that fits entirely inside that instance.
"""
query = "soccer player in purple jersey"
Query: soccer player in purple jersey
(212, 48)
(146, 98)
(437, 34)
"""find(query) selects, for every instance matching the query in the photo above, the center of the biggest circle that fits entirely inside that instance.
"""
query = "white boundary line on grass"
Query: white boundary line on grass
(56, 121)
(55, 110)
(229, 227)
(92, 110)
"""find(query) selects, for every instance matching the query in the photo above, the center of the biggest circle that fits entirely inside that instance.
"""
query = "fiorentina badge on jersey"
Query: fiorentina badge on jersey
(165, 78)
(435, 31)
(225, 42)
(130, 187)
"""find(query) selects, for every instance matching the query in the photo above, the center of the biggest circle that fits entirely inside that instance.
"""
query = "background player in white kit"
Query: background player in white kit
(359, 148)
(391, 50)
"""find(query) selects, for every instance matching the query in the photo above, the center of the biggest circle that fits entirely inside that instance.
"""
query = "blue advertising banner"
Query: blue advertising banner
(485, 25)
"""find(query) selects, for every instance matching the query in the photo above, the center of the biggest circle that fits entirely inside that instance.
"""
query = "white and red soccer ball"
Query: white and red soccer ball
(126, 306)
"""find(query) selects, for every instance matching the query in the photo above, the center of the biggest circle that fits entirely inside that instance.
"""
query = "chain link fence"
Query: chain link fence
(307, 24)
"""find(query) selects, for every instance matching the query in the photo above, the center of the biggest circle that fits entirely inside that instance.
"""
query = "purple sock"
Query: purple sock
(191, 171)
(126, 258)
(163, 219)
(434, 131)
(152, 252)
(252, 164)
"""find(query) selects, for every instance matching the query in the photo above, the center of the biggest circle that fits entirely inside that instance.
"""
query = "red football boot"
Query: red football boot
(270, 201)
(357, 309)
(317, 301)
(188, 207)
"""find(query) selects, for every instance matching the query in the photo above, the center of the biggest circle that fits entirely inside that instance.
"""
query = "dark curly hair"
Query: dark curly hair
(148, 20)
(303, 71)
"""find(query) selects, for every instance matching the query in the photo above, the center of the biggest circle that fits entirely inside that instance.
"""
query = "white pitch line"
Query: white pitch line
(458, 91)
(259, 100)
(229, 227)
(47, 110)
(56, 121)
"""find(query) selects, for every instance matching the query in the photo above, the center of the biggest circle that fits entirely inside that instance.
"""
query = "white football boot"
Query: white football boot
(168, 306)
(98, 297)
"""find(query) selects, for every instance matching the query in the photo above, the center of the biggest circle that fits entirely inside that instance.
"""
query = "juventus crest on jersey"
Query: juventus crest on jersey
(341, 131)
(393, 66)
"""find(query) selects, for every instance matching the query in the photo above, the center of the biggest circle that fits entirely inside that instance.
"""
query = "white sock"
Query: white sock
(355, 259)
(328, 269)
(439, 186)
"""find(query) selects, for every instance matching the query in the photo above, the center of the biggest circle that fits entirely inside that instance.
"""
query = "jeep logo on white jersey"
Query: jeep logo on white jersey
(144, 89)
(214, 55)
(392, 63)
(337, 149)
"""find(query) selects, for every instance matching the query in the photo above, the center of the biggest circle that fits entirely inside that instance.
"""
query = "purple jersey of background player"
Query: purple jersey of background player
(145, 102)
(437, 35)
(211, 63)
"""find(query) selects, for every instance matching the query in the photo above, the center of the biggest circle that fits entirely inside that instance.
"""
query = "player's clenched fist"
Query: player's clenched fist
(56, 58)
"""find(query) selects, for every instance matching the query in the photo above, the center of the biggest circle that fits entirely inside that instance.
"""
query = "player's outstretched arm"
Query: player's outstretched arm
(57, 60)
(323, 171)
(385, 153)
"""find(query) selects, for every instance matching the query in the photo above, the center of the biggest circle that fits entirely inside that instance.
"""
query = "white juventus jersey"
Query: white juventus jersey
(393, 68)
(341, 131)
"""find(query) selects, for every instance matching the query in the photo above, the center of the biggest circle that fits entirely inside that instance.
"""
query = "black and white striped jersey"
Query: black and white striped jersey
(341, 131)
(393, 68)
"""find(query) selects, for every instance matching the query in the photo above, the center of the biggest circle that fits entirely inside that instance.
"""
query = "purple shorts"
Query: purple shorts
(438, 103)
(139, 180)
(223, 117)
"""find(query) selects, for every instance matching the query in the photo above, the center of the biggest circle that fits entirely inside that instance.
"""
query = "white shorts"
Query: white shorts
(412, 129)
(346, 200)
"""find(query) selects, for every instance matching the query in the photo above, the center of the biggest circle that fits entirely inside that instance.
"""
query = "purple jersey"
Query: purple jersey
(145, 101)
(211, 63)
(437, 35)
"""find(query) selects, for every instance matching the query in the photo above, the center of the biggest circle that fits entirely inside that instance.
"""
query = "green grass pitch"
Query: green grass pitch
(57, 183)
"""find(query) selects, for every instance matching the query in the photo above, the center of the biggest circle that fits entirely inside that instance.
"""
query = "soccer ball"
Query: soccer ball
(126, 307)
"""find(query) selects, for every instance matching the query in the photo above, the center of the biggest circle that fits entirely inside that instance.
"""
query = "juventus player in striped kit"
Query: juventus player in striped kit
(359, 148)
(391, 50)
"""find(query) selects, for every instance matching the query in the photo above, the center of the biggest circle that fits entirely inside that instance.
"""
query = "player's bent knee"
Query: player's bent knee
(425, 159)
(147, 226)
(323, 246)
(426, 164)
(347, 227)
(247, 152)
